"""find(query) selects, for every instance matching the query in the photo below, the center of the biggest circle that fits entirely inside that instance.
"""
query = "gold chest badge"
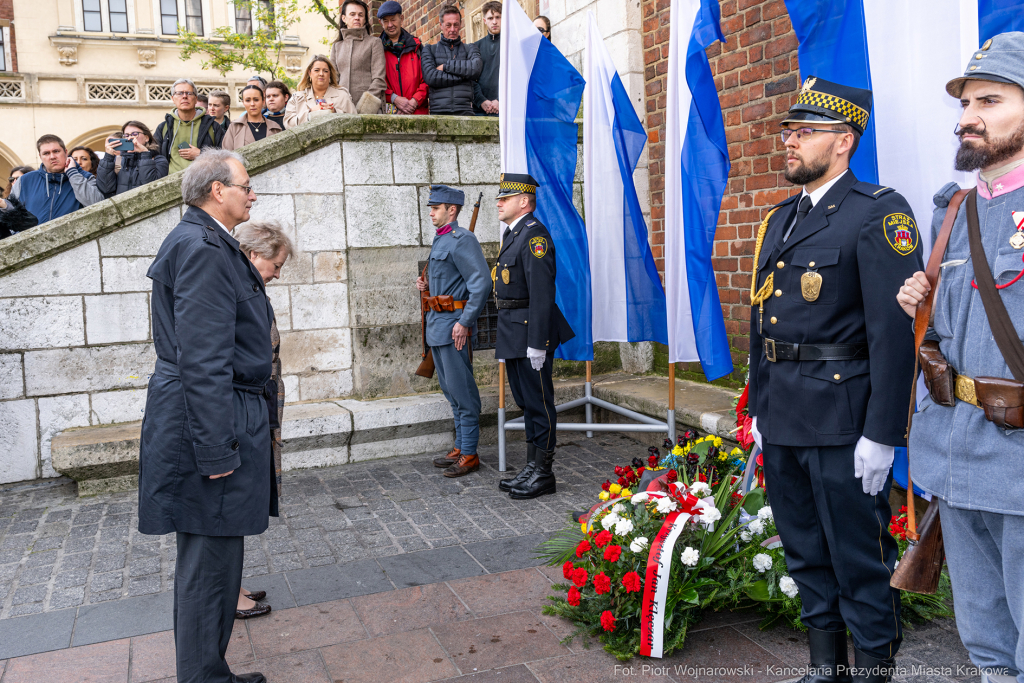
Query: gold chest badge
(810, 285)
(504, 276)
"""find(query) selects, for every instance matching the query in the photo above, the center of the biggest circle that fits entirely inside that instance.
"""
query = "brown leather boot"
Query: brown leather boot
(463, 466)
(448, 459)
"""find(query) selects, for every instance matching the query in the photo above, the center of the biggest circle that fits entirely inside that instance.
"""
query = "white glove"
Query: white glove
(871, 463)
(756, 434)
(536, 357)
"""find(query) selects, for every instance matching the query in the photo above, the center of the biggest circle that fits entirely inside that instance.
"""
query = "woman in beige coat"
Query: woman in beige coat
(318, 94)
(359, 57)
(252, 125)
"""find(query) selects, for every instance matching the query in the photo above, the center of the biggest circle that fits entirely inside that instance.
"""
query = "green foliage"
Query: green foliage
(561, 547)
(259, 51)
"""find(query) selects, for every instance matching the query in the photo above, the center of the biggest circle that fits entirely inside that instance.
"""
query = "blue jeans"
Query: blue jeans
(455, 374)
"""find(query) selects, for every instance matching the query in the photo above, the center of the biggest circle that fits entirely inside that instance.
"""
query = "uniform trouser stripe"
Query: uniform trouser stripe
(534, 392)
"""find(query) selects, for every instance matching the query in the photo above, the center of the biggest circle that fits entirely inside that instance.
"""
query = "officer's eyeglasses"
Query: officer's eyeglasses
(804, 133)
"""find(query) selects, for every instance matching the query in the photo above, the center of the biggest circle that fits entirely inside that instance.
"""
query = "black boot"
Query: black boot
(524, 474)
(830, 662)
(540, 482)
(867, 669)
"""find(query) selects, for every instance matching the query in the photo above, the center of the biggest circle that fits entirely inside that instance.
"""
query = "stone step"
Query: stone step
(335, 432)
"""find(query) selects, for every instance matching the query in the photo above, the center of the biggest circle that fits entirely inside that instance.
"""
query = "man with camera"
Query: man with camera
(966, 441)
(187, 129)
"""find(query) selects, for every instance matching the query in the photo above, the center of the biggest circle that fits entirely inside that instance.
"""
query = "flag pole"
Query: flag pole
(501, 416)
(671, 420)
(588, 391)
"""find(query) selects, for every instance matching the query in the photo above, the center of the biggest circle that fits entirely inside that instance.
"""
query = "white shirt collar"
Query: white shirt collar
(513, 224)
(221, 225)
(820, 192)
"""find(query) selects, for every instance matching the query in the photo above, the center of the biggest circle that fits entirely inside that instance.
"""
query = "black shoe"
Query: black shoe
(867, 669)
(258, 610)
(256, 595)
(524, 474)
(249, 678)
(830, 662)
(541, 481)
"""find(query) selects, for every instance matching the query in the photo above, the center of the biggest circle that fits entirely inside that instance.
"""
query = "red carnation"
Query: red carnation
(606, 485)
(607, 621)
(612, 553)
(583, 547)
(641, 470)
(652, 460)
(602, 539)
(602, 584)
(631, 476)
(621, 481)
(574, 597)
(619, 471)
(673, 475)
(567, 570)
(579, 577)
(631, 582)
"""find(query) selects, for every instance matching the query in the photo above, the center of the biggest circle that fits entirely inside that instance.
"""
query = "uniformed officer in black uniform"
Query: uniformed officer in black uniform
(831, 364)
(530, 328)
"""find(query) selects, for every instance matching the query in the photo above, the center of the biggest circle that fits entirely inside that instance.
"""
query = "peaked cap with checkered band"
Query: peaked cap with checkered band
(517, 183)
(822, 101)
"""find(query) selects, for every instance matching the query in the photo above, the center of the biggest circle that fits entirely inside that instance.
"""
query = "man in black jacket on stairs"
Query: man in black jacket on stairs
(450, 68)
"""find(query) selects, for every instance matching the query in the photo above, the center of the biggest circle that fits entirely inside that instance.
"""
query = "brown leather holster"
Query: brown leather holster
(938, 374)
(441, 303)
(1001, 399)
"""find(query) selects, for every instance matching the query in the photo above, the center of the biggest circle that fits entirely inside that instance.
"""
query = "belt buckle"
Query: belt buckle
(964, 390)
(769, 350)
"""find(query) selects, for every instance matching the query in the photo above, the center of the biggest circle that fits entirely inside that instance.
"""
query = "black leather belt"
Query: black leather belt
(511, 303)
(775, 350)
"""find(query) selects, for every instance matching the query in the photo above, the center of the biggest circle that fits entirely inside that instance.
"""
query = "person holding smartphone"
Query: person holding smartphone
(187, 129)
(252, 125)
(131, 160)
(318, 94)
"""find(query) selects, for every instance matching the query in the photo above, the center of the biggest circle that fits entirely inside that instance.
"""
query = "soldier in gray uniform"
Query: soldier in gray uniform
(459, 284)
(965, 449)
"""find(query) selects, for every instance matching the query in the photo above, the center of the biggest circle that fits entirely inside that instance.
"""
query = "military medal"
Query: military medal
(1017, 238)
(504, 276)
(810, 285)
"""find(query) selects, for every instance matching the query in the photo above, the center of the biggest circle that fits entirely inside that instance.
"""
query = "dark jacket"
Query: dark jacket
(210, 133)
(486, 87)
(52, 195)
(854, 241)
(403, 70)
(206, 412)
(16, 219)
(137, 169)
(451, 90)
(526, 270)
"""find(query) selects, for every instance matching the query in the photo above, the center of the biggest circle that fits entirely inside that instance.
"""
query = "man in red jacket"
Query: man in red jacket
(406, 89)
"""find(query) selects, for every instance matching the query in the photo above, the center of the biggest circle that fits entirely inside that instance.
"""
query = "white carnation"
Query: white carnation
(638, 544)
(745, 536)
(896, 565)
(623, 527)
(756, 526)
(618, 509)
(666, 505)
(699, 487)
(765, 514)
(690, 556)
(710, 515)
(762, 562)
(639, 498)
(788, 586)
(610, 521)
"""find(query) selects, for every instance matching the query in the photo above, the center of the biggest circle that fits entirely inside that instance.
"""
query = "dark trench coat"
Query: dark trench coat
(206, 408)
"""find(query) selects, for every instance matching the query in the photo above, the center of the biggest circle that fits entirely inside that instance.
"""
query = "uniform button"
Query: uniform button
(778, 292)
(811, 264)
(255, 287)
(234, 445)
(525, 321)
(780, 264)
(835, 376)
(774, 320)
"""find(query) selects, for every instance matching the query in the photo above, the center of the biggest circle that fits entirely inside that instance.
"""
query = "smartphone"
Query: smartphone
(123, 144)
(184, 145)
(320, 101)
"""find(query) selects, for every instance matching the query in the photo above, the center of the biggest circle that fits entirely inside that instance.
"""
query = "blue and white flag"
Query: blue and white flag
(696, 172)
(540, 94)
(626, 286)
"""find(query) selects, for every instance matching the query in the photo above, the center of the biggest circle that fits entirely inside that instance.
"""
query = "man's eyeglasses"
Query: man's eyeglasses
(804, 133)
(183, 93)
(247, 188)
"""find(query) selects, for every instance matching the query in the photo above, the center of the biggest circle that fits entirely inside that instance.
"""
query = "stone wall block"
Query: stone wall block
(114, 407)
(317, 457)
(127, 274)
(382, 285)
(385, 306)
(112, 318)
(56, 414)
(385, 361)
(12, 381)
(76, 271)
(291, 388)
(143, 238)
(20, 461)
(320, 222)
(427, 443)
(275, 207)
(320, 306)
(556, 13)
(325, 385)
(329, 266)
(382, 216)
(367, 163)
(310, 351)
(298, 270)
(43, 322)
(425, 163)
(281, 302)
(64, 371)
(313, 173)
(479, 163)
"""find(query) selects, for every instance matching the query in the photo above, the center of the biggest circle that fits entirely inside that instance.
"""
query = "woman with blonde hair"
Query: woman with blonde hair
(318, 94)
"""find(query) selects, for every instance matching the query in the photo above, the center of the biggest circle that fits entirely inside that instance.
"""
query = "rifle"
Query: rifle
(426, 367)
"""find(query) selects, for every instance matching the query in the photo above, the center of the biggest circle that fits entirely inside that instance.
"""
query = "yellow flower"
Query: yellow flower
(583, 525)
(717, 442)
(736, 451)
(678, 450)
(626, 493)
(722, 456)
(603, 495)
(615, 488)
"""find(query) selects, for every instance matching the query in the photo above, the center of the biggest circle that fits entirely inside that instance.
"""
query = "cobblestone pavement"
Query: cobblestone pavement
(59, 551)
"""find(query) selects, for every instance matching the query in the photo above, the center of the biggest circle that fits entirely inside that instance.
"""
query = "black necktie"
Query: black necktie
(504, 235)
(801, 213)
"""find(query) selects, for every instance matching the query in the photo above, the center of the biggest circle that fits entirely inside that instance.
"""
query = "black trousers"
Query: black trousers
(207, 579)
(837, 543)
(535, 394)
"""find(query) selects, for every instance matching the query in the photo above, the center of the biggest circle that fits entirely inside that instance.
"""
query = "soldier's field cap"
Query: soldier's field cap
(1000, 59)
(517, 183)
(822, 101)
(442, 194)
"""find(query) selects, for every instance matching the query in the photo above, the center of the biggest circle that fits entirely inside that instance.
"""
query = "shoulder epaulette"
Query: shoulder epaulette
(872, 190)
(531, 224)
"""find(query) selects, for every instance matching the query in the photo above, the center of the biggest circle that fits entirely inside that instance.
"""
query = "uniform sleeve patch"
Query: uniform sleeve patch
(538, 246)
(901, 233)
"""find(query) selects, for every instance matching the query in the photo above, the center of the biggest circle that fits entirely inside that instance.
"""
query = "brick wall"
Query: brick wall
(7, 13)
(757, 76)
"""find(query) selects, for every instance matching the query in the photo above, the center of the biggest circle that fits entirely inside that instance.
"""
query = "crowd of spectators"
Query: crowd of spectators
(393, 73)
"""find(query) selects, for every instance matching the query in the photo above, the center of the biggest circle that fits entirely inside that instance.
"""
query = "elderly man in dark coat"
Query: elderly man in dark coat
(205, 469)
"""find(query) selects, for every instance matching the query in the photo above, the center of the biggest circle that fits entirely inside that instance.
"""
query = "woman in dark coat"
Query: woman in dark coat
(122, 171)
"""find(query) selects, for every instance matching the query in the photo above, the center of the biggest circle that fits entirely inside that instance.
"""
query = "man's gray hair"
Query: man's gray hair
(185, 80)
(266, 238)
(209, 167)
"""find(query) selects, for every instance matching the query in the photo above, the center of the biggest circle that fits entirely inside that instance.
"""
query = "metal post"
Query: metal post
(501, 416)
(588, 392)
(671, 420)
